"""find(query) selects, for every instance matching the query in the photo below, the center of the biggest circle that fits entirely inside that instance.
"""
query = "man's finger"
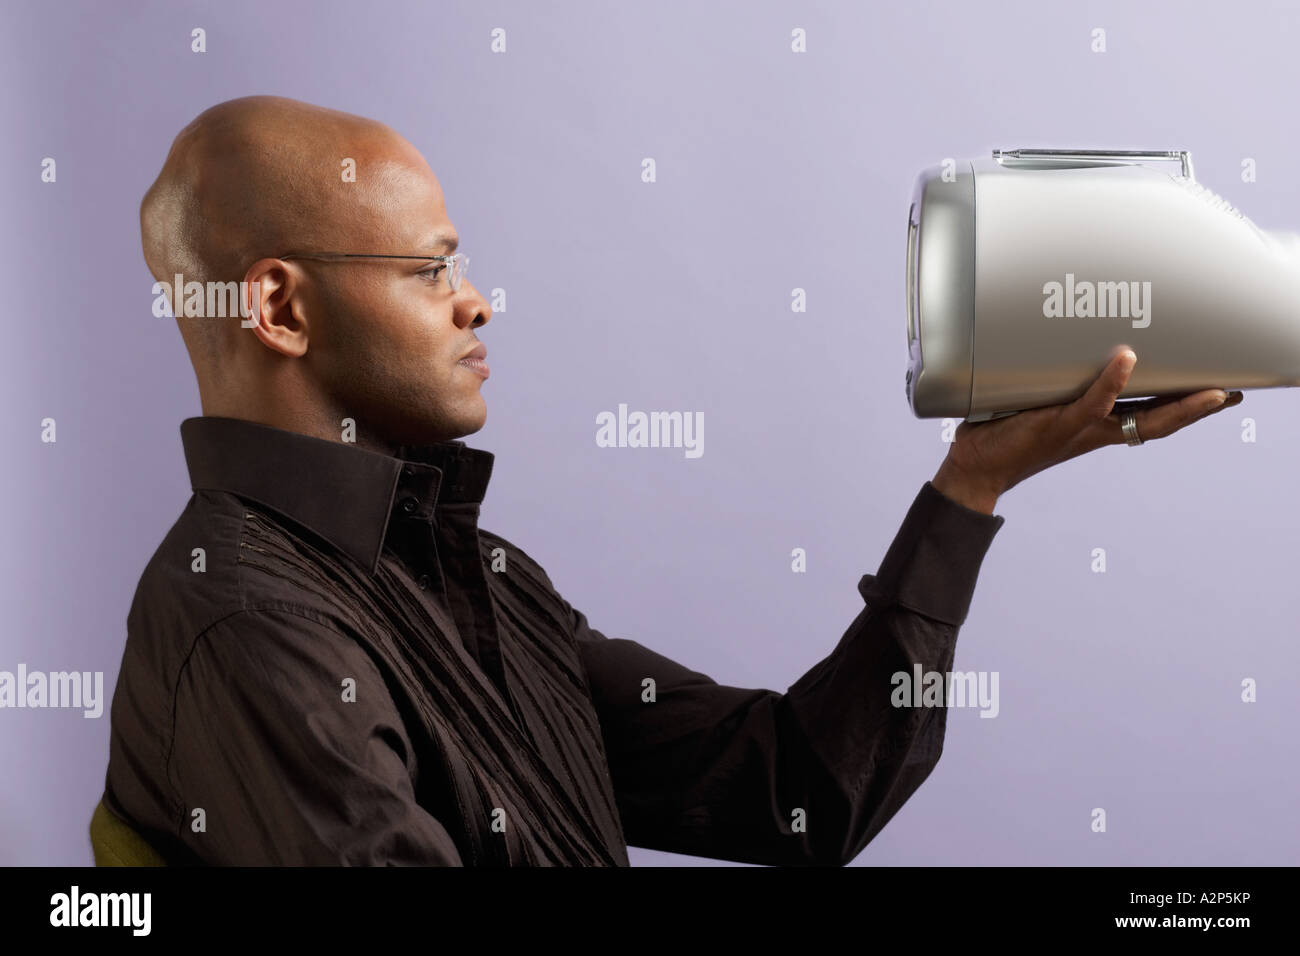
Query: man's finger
(1163, 420)
(1142, 404)
(1095, 404)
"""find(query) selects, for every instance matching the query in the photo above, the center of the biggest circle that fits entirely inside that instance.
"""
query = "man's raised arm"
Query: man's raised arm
(811, 775)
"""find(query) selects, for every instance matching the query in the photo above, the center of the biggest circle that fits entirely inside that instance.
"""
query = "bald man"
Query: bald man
(329, 662)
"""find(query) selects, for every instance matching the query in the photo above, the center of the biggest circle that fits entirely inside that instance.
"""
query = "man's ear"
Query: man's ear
(273, 307)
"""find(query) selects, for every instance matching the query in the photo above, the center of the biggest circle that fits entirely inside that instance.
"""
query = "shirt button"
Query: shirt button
(423, 582)
(409, 504)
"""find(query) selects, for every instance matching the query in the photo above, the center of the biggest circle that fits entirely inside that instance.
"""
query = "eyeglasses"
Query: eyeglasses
(457, 264)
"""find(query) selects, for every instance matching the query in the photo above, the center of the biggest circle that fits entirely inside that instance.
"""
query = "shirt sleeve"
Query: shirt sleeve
(810, 776)
(287, 769)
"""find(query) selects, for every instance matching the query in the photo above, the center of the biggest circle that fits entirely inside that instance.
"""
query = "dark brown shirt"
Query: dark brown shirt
(329, 662)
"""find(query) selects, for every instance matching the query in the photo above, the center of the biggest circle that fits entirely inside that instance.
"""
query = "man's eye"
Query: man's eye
(432, 274)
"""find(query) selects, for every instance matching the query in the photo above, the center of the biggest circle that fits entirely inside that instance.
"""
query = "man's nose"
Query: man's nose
(472, 309)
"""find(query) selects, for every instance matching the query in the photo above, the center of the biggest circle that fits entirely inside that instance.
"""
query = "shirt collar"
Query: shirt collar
(345, 494)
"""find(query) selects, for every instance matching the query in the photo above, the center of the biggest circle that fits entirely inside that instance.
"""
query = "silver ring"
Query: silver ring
(1129, 426)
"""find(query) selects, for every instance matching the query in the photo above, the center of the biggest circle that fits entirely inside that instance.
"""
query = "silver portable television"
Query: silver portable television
(1026, 269)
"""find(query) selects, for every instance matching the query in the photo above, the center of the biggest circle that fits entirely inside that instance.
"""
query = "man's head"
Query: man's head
(377, 340)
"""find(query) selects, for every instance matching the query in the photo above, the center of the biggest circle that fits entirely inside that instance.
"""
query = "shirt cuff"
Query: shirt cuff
(933, 563)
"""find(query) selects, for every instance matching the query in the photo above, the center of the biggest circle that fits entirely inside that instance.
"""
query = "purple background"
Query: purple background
(775, 170)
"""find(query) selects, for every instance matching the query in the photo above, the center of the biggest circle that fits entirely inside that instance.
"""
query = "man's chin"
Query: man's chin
(394, 430)
(471, 427)
(452, 427)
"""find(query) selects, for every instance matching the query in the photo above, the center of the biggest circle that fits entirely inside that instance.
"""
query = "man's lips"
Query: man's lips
(474, 360)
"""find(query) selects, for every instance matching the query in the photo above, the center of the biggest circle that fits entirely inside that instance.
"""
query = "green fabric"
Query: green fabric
(116, 844)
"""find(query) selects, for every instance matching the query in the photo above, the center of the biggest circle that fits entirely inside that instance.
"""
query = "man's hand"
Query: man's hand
(987, 459)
